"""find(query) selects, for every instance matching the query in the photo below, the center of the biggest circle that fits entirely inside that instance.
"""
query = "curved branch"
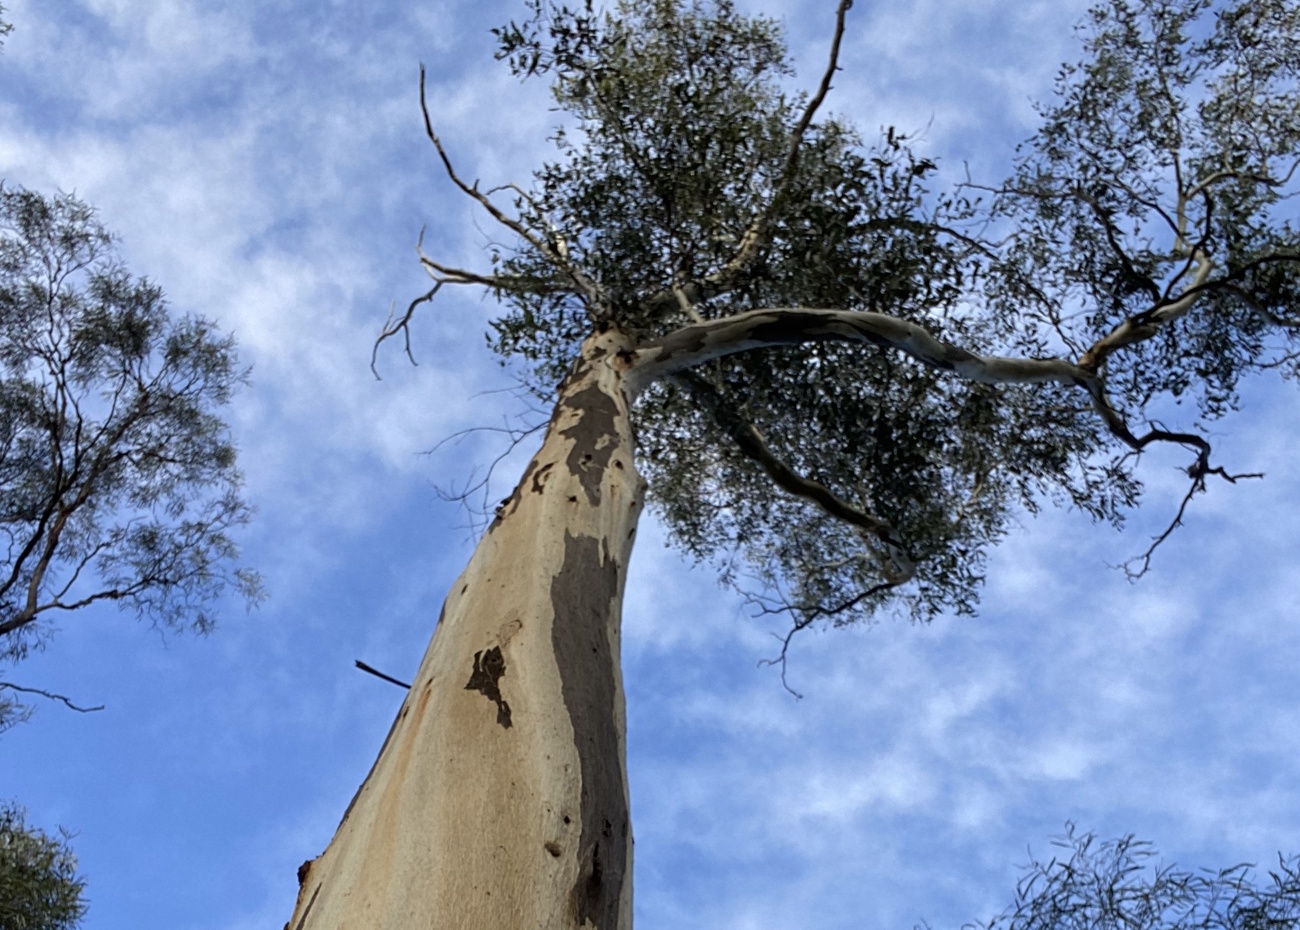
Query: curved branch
(591, 289)
(755, 235)
(702, 342)
(897, 565)
(53, 697)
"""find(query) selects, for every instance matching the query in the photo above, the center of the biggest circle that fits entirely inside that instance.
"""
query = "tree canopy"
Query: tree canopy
(118, 480)
(936, 358)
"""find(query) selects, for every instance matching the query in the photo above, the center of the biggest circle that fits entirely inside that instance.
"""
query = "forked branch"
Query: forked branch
(1138, 566)
(590, 289)
(754, 237)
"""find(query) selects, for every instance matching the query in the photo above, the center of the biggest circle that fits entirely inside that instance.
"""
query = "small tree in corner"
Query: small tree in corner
(39, 885)
(118, 481)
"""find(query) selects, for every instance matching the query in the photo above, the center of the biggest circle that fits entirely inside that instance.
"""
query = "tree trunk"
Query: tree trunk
(499, 800)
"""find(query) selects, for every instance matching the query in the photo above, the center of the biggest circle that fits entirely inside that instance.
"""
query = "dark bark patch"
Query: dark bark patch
(539, 479)
(582, 595)
(489, 667)
(511, 503)
(594, 436)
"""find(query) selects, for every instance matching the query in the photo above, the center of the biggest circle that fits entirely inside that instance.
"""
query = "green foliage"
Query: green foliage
(39, 886)
(1143, 238)
(682, 146)
(1174, 143)
(1122, 885)
(117, 475)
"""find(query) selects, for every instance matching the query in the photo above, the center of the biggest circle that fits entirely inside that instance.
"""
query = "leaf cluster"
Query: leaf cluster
(1144, 242)
(118, 479)
(1122, 885)
(39, 885)
(1165, 171)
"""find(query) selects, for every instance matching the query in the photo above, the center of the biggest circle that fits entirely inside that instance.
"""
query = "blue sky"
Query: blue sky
(263, 161)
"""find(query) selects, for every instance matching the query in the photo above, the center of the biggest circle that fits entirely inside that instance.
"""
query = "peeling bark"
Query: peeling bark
(512, 812)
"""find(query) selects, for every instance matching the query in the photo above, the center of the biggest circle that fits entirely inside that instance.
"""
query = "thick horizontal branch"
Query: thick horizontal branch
(703, 342)
(698, 343)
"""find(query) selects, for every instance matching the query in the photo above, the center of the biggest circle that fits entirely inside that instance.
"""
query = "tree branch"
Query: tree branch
(53, 697)
(1198, 473)
(755, 235)
(693, 345)
(378, 674)
(589, 288)
(896, 564)
(393, 327)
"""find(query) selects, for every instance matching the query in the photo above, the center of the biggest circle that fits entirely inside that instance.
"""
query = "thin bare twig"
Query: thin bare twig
(403, 326)
(807, 614)
(589, 288)
(378, 674)
(53, 697)
(1198, 473)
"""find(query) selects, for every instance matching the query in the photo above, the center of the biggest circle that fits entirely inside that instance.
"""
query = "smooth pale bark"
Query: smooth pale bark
(499, 800)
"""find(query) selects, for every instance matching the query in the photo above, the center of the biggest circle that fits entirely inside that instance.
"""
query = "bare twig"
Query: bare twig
(807, 614)
(378, 674)
(592, 290)
(479, 514)
(53, 697)
(1198, 472)
(393, 327)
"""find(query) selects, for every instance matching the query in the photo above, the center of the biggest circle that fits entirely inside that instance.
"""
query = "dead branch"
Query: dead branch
(1198, 473)
(52, 696)
(393, 327)
(597, 304)
(378, 674)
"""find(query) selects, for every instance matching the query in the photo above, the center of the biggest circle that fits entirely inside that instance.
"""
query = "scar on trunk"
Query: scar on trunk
(303, 919)
(489, 666)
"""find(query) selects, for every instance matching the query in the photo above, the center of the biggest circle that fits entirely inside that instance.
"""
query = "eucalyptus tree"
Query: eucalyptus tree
(118, 479)
(812, 365)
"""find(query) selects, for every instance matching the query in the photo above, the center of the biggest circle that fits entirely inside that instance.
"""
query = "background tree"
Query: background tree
(118, 480)
(1093, 885)
(39, 886)
(770, 305)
